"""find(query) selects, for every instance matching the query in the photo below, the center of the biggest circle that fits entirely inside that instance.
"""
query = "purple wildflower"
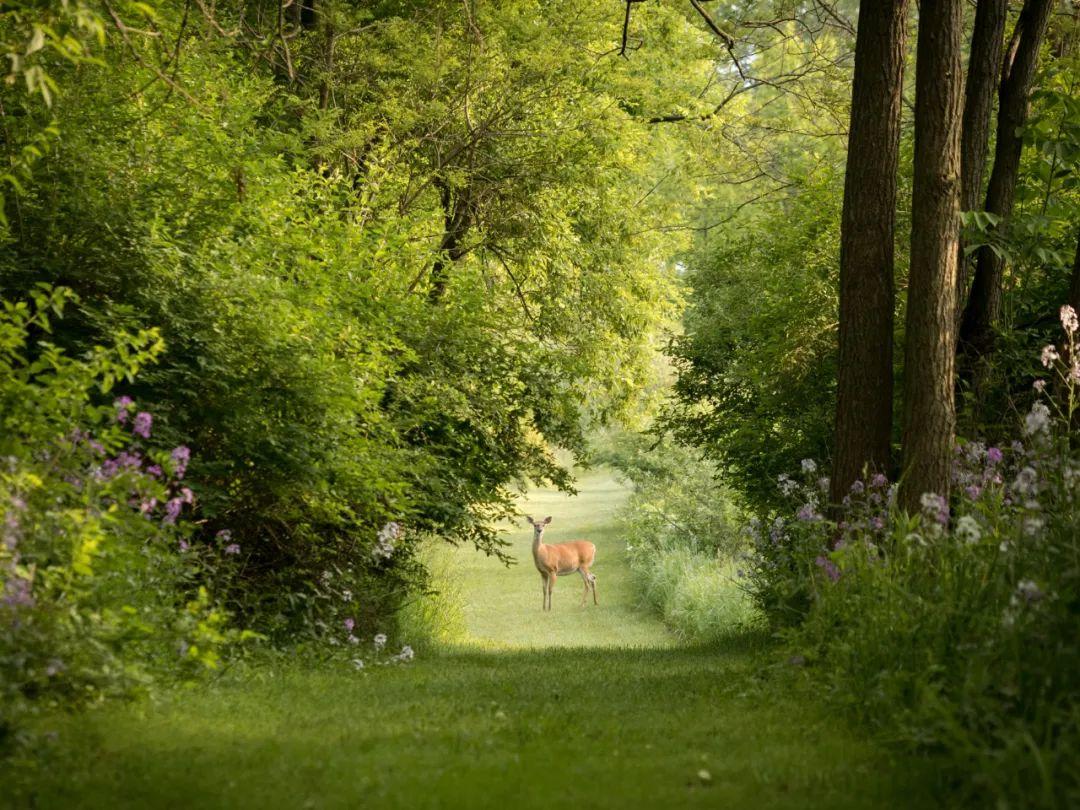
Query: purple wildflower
(17, 593)
(123, 405)
(878, 481)
(232, 548)
(187, 495)
(224, 535)
(994, 456)
(180, 455)
(172, 510)
(143, 423)
(154, 470)
(807, 512)
(184, 545)
(349, 625)
(857, 487)
(829, 567)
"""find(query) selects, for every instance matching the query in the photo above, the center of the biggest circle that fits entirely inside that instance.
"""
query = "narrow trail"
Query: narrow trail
(593, 707)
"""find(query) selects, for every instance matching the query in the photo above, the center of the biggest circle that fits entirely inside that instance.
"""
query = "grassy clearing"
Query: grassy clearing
(610, 714)
(502, 605)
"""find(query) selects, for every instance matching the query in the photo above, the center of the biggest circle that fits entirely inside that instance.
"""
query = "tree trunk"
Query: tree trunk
(984, 68)
(451, 247)
(984, 303)
(864, 402)
(929, 419)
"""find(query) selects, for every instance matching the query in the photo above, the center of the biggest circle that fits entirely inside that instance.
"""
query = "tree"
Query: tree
(929, 418)
(984, 304)
(984, 67)
(865, 375)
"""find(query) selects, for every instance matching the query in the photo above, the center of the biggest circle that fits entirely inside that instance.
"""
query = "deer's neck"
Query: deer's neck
(538, 546)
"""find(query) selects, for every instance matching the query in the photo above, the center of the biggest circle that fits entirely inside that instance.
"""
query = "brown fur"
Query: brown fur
(555, 559)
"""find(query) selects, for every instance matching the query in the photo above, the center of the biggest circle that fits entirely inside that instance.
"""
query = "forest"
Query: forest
(311, 307)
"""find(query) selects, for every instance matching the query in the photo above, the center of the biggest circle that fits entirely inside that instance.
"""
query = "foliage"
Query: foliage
(388, 253)
(954, 627)
(683, 536)
(756, 365)
(94, 588)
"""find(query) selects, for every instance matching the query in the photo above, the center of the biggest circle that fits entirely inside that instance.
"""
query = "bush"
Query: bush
(683, 537)
(96, 590)
(956, 628)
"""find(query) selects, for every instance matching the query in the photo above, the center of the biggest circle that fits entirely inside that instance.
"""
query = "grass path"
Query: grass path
(502, 606)
(582, 707)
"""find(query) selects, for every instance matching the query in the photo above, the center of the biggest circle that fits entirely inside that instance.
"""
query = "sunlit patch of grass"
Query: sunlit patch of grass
(503, 605)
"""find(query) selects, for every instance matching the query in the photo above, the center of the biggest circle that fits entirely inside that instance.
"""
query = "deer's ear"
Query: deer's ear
(547, 520)
(529, 518)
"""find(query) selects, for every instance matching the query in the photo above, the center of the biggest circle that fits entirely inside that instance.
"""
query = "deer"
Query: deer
(562, 558)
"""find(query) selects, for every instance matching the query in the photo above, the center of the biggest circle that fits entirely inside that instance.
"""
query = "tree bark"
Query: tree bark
(451, 247)
(984, 302)
(929, 418)
(984, 68)
(864, 401)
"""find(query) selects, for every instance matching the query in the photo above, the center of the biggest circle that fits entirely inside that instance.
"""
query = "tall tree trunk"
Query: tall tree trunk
(984, 303)
(864, 402)
(929, 419)
(984, 68)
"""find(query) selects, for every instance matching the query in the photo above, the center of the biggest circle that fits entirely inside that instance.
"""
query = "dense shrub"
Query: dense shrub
(955, 628)
(100, 586)
(684, 537)
(336, 365)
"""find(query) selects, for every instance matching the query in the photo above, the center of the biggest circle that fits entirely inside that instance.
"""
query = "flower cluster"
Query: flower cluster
(386, 541)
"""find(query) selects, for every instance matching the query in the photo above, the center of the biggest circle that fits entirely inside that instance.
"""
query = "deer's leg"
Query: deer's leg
(590, 582)
(550, 586)
(543, 590)
(585, 579)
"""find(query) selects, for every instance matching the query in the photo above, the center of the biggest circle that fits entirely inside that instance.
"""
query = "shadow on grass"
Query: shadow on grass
(712, 725)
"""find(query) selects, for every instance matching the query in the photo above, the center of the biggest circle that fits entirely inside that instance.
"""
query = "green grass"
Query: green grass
(502, 605)
(592, 707)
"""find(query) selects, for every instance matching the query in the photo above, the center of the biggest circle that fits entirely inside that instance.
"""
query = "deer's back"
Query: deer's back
(565, 558)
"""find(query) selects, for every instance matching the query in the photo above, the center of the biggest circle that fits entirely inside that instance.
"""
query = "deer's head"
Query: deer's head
(538, 526)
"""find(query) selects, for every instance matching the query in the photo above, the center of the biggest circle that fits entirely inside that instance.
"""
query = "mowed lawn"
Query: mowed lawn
(592, 707)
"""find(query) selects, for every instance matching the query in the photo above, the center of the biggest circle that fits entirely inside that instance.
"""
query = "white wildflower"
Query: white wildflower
(787, 486)
(1038, 421)
(1026, 483)
(968, 530)
(386, 541)
(358, 663)
(380, 641)
(1027, 590)
(809, 465)
(1050, 355)
(1069, 320)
